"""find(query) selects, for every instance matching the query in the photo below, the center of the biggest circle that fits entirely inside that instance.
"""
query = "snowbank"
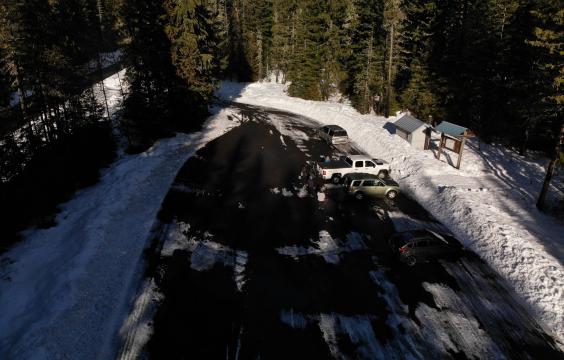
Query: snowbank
(65, 291)
(488, 204)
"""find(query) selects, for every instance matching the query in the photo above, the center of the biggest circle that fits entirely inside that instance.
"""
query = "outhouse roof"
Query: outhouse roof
(451, 129)
(408, 123)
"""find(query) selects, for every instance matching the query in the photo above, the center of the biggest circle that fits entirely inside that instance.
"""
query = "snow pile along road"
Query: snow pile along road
(488, 204)
(65, 291)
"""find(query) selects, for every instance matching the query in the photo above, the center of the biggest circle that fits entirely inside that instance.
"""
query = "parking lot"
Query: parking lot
(252, 264)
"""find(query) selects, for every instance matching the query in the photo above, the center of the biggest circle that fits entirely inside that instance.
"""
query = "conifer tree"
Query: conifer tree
(393, 18)
(283, 37)
(158, 97)
(365, 64)
(306, 65)
(194, 47)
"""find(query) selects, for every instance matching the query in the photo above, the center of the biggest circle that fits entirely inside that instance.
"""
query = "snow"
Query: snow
(286, 193)
(65, 291)
(325, 246)
(282, 141)
(489, 204)
(115, 88)
(106, 59)
(137, 328)
(206, 253)
(452, 321)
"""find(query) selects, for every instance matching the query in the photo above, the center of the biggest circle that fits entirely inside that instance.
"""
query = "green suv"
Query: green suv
(360, 185)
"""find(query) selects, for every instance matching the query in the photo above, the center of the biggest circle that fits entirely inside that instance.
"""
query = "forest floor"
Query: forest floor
(489, 204)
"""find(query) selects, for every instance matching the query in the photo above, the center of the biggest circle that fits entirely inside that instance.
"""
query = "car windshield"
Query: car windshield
(339, 133)
(348, 161)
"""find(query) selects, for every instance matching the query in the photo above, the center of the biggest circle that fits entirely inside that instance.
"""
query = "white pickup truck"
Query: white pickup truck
(336, 169)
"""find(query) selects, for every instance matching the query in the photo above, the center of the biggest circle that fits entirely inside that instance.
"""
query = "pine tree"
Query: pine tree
(418, 85)
(194, 49)
(283, 37)
(305, 70)
(158, 97)
(548, 40)
(393, 20)
(365, 62)
(5, 84)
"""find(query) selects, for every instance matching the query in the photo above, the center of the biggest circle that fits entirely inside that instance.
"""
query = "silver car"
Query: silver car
(333, 134)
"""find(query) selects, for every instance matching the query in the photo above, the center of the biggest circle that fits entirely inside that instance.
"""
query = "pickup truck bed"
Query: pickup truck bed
(335, 164)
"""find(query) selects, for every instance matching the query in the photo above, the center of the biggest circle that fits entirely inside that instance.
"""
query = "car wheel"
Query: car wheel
(336, 179)
(391, 194)
(383, 174)
(411, 260)
(359, 196)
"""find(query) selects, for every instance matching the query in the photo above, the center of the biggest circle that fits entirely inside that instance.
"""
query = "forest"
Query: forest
(495, 66)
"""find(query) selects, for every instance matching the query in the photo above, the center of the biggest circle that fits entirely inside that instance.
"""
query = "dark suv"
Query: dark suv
(421, 245)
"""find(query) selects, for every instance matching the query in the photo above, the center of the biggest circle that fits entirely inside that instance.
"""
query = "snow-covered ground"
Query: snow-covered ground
(106, 59)
(65, 291)
(489, 204)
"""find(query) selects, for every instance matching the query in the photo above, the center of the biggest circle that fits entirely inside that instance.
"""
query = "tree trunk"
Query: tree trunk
(523, 147)
(367, 96)
(100, 8)
(550, 172)
(390, 67)
(23, 105)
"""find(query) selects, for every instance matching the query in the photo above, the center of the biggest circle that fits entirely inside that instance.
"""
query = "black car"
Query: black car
(414, 246)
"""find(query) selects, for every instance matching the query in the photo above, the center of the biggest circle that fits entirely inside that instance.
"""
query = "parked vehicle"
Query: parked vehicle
(333, 134)
(361, 185)
(336, 169)
(415, 246)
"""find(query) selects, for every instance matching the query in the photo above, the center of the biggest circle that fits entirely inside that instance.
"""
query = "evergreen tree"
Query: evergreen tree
(5, 84)
(305, 69)
(365, 64)
(158, 97)
(194, 49)
(393, 18)
(283, 37)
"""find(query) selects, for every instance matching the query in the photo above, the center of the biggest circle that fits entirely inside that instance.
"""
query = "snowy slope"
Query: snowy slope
(65, 291)
(488, 204)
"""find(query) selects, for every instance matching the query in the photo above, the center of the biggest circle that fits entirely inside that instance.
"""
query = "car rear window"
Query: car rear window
(368, 183)
(339, 133)
(348, 161)
(356, 183)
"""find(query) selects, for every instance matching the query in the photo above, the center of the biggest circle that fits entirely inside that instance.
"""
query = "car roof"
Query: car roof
(415, 234)
(358, 157)
(361, 176)
(334, 127)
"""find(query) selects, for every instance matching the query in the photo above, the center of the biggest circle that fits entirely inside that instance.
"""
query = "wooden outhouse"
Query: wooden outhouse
(414, 131)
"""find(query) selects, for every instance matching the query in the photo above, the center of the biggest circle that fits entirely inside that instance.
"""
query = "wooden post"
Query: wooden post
(460, 153)
(441, 144)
